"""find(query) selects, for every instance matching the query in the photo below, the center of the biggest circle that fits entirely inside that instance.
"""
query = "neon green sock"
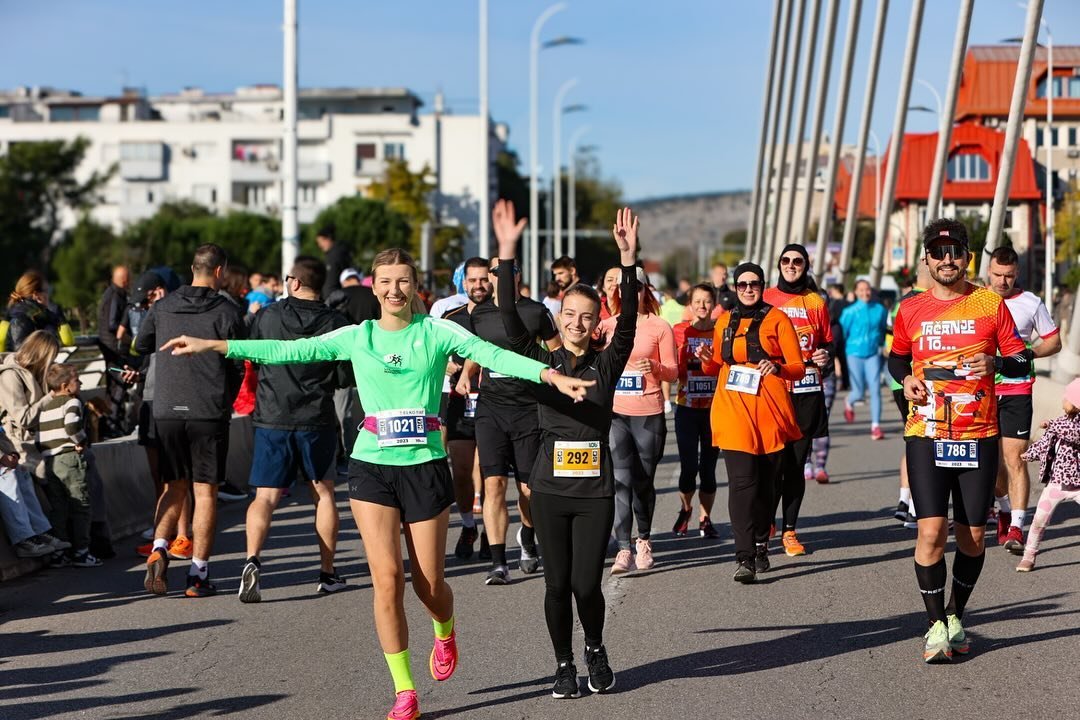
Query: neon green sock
(443, 630)
(400, 670)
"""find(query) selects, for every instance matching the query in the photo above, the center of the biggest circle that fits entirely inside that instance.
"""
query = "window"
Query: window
(5, 111)
(394, 151)
(141, 151)
(968, 167)
(364, 151)
(74, 113)
(1072, 137)
(1039, 137)
(1074, 87)
(307, 194)
(1063, 87)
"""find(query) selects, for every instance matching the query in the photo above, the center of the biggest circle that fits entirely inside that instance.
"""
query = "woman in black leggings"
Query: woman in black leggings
(572, 482)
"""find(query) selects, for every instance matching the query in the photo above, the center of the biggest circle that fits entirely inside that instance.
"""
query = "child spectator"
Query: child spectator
(1059, 450)
(62, 441)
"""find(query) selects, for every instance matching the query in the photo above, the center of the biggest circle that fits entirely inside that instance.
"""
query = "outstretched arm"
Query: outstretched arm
(507, 232)
(625, 232)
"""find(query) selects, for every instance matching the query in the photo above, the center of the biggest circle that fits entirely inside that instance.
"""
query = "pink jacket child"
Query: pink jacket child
(1059, 451)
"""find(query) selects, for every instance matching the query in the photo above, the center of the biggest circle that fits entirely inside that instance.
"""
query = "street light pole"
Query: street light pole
(556, 165)
(571, 182)
(290, 226)
(534, 145)
(877, 180)
(1051, 242)
(769, 169)
(483, 239)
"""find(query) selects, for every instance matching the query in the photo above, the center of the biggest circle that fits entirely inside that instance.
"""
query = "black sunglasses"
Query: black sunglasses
(751, 285)
(797, 261)
(938, 252)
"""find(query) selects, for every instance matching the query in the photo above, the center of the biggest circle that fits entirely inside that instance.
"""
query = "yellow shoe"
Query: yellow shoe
(792, 546)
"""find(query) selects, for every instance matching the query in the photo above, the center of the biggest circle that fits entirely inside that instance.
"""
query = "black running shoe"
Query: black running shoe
(744, 573)
(901, 513)
(601, 679)
(249, 584)
(199, 587)
(498, 575)
(464, 549)
(485, 548)
(330, 582)
(566, 682)
(761, 559)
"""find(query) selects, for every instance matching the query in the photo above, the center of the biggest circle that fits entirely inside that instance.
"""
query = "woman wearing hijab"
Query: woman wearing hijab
(797, 296)
(755, 353)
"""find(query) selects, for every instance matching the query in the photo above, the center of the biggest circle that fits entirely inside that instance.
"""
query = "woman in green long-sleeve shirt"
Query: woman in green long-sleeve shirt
(398, 475)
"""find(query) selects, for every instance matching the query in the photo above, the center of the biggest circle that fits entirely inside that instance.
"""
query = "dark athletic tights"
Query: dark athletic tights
(791, 482)
(574, 533)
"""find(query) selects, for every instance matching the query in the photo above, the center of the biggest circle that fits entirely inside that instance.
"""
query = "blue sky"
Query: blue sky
(673, 88)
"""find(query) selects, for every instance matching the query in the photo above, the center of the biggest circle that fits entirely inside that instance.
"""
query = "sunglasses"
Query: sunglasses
(938, 252)
(797, 261)
(748, 286)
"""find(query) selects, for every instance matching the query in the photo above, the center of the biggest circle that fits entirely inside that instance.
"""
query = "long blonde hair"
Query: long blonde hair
(29, 284)
(37, 354)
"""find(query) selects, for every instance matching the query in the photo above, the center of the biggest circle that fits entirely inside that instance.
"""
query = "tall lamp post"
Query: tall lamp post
(483, 234)
(534, 135)
(557, 111)
(571, 182)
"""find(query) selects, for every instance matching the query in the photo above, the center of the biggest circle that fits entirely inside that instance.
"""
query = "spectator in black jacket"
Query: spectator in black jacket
(113, 310)
(353, 299)
(338, 258)
(192, 407)
(295, 425)
(29, 309)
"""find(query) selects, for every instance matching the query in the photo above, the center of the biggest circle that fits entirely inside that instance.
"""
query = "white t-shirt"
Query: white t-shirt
(1032, 318)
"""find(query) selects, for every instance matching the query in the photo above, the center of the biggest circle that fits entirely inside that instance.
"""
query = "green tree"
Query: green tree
(37, 184)
(251, 240)
(365, 226)
(169, 237)
(81, 266)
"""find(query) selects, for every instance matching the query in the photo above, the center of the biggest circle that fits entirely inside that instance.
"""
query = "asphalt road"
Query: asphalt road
(835, 634)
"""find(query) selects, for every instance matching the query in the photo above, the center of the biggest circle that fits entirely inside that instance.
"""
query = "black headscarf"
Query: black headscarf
(742, 308)
(805, 282)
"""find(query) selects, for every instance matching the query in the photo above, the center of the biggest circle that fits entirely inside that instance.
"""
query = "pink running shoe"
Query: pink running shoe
(876, 434)
(622, 563)
(405, 707)
(444, 657)
(644, 555)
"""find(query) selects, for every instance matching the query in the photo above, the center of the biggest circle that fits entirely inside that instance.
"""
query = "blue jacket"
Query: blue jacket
(864, 328)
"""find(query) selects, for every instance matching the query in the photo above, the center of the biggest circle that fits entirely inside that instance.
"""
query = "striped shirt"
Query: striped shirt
(61, 426)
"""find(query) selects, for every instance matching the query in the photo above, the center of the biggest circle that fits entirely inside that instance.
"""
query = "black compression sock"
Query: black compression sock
(498, 555)
(255, 560)
(932, 586)
(965, 573)
(528, 536)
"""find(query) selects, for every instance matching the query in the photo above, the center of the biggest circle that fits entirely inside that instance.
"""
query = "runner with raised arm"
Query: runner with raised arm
(573, 480)
(398, 475)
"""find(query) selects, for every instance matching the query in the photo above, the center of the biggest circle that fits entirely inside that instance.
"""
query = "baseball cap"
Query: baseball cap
(146, 283)
(956, 234)
(349, 273)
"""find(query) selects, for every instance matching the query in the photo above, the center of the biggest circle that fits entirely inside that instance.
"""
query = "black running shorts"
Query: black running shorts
(507, 439)
(419, 492)
(971, 489)
(1014, 416)
(458, 427)
(193, 450)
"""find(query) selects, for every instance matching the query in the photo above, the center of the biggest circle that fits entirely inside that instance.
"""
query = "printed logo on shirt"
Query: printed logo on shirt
(392, 359)
(794, 311)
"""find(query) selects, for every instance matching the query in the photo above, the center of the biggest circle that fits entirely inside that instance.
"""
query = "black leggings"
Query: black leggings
(751, 482)
(637, 446)
(791, 480)
(574, 534)
(697, 456)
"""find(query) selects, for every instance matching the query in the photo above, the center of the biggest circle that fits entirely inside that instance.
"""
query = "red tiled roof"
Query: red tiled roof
(916, 168)
(989, 74)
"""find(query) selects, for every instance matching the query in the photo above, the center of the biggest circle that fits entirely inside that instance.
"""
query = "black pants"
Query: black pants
(751, 482)
(791, 480)
(574, 534)
(697, 455)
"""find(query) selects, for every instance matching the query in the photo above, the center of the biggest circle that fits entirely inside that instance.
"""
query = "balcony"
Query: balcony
(372, 168)
(313, 172)
(142, 161)
(316, 129)
(255, 171)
